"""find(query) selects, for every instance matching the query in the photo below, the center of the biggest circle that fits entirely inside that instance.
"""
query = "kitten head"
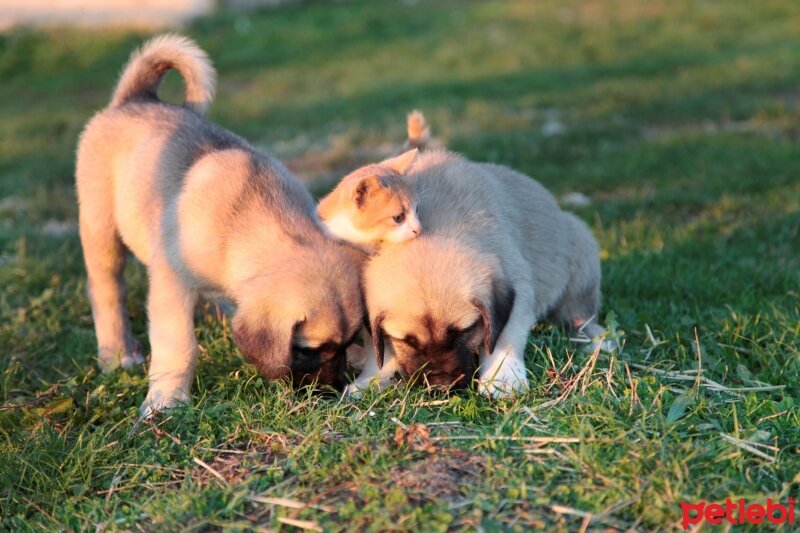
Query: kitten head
(373, 205)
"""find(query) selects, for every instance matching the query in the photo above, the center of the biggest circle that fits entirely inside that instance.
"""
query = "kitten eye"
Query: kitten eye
(400, 218)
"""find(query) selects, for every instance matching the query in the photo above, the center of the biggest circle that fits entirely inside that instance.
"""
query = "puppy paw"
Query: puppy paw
(606, 345)
(157, 401)
(593, 337)
(109, 360)
(496, 388)
(354, 391)
(598, 340)
(504, 381)
(357, 356)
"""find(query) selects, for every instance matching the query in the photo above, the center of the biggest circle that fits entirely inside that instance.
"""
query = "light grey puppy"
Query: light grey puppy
(209, 215)
(496, 255)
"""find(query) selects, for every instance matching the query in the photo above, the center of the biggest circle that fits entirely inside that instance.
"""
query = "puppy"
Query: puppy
(497, 255)
(208, 215)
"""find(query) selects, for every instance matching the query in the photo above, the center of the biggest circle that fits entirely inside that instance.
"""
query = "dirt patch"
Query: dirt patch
(443, 477)
(235, 465)
(438, 472)
(431, 472)
(428, 472)
(447, 476)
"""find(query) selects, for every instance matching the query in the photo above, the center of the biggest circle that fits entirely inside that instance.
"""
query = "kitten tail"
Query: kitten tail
(419, 134)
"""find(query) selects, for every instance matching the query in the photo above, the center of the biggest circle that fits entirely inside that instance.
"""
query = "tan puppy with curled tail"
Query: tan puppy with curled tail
(208, 215)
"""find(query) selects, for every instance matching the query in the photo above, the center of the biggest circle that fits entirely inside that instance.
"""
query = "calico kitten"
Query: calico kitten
(373, 205)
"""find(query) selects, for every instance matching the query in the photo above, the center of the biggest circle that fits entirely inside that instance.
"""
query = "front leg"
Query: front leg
(174, 346)
(503, 372)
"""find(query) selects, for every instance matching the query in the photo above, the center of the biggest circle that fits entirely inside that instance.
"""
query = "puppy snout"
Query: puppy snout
(305, 361)
(447, 379)
(441, 368)
(320, 367)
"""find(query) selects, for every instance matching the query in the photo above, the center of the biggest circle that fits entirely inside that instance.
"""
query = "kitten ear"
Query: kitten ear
(402, 162)
(363, 189)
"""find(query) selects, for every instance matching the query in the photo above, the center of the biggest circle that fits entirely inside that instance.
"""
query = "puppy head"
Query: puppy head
(439, 303)
(378, 202)
(297, 322)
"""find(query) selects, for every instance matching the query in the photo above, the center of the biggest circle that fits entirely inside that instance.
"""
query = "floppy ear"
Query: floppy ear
(401, 163)
(364, 188)
(376, 329)
(495, 315)
(267, 347)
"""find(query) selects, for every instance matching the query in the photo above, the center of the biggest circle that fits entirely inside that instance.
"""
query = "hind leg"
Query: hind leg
(104, 255)
(577, 311)
(170, 309)
(579, 306)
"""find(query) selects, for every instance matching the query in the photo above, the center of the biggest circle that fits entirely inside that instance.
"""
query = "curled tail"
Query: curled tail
(419, 134)
(147, 66)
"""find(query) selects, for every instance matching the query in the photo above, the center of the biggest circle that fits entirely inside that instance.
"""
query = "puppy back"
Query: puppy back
(142, 75)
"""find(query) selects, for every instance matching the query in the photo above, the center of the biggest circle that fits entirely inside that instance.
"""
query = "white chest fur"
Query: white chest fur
(342, 227)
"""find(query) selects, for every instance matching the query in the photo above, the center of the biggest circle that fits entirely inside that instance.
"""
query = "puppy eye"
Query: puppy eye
(305, 351)
(411, 341)
(400, 218)
(452, 335)
(473, 327)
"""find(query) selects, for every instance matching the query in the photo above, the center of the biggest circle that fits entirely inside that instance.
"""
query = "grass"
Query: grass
(680, 120)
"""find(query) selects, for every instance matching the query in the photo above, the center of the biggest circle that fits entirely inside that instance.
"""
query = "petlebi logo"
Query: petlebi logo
(738, 512)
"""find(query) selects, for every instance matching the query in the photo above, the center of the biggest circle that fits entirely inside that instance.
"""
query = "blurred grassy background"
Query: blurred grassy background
(679, 120)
